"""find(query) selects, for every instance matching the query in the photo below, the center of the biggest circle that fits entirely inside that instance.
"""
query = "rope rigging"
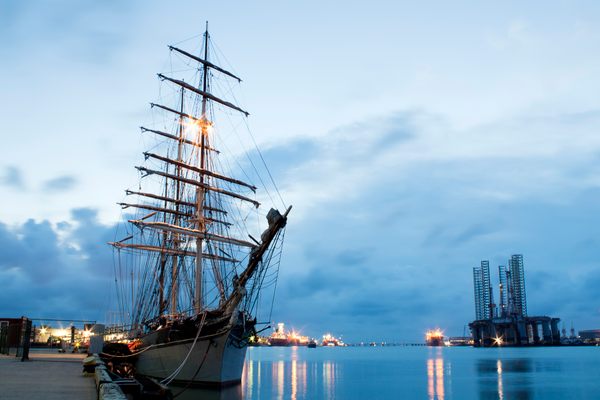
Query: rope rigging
(196, 252)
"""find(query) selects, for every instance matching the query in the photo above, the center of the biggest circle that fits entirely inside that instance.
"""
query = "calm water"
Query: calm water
(415, 373)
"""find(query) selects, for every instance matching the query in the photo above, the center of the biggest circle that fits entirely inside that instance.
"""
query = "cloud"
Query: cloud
(56, 272)
(60, 184)
(13, 177)
(390, 215)
(384, 233)
(77, 30)
(449, 234)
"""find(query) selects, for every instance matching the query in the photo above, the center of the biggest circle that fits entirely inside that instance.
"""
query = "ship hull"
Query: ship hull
(435, 342)
(216, 361)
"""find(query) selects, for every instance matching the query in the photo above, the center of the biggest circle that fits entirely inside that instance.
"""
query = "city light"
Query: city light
(59, 332)
(498, 341)
(434, 333)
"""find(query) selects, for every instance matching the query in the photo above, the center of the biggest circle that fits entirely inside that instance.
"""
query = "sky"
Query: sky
(414, 139)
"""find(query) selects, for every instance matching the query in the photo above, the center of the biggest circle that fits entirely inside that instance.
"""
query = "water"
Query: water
(369, 373)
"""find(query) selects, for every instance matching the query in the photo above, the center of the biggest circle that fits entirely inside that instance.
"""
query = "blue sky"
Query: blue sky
(413, 139)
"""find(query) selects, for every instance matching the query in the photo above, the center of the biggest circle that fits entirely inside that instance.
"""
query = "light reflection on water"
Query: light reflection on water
(403, 372)
(519, 372)
(499, 371)
(435, 378)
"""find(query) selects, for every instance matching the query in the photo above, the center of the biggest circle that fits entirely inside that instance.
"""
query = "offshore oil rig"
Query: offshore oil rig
(508, 323)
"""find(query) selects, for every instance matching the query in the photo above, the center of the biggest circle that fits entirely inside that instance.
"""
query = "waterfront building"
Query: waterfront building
(509, 325)
(592, 335)
(517, 285)
(483, 291)
(503, 277)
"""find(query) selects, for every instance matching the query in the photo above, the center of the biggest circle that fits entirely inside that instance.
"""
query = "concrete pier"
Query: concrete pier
(48, 376)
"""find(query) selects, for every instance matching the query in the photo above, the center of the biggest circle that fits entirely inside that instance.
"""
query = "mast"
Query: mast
(184, 233)
(201, 191)
(175, 272)
(163, 263)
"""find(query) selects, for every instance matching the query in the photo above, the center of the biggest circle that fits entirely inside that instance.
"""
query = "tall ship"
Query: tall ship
(199, 247)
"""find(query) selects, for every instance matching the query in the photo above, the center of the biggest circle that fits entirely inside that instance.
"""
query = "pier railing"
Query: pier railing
(118, 332)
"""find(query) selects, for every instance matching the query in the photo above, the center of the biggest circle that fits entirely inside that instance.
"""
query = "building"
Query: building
(483, 291)
(591, 335)
(517, 285)
(513, 298)
(509, 324)
(15, 335)
(515, 331)
(504, 278)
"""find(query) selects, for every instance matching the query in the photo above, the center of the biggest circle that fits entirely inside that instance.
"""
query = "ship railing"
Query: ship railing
(119, 332)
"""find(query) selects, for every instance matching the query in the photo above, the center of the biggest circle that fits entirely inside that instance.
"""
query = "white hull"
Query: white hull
(215, 361)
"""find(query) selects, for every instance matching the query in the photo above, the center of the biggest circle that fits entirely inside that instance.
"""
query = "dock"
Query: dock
(48, 376)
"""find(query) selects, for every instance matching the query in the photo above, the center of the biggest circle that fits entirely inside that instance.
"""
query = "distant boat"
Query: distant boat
(312, 344)
(460, 341)
(332, 341)
(282, 338)
(196, 272)
(434, 337)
